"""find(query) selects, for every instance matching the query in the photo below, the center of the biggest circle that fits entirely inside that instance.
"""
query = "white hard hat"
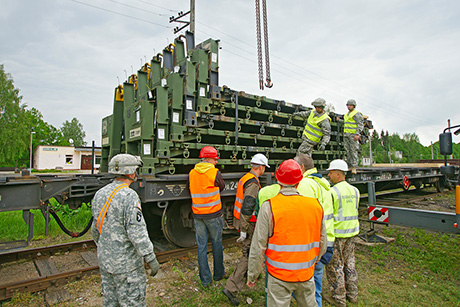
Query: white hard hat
(260, 159)
(339, 165)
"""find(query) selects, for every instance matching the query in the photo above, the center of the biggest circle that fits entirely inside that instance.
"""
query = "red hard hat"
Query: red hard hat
(289, 172)
(208, 152)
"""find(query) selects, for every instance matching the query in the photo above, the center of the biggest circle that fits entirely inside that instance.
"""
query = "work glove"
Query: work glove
(322, 147)
(296, 113)
(242, 237)
(154, 267)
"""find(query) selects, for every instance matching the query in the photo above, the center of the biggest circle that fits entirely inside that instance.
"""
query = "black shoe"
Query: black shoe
(231, 297)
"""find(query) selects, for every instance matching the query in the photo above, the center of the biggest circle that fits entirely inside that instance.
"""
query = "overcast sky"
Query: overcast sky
(400, 60)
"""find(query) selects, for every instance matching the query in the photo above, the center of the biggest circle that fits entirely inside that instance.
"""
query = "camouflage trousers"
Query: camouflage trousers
(124, 290)
(341, 271)
(352, 149)
(237, 281)
(306, 147)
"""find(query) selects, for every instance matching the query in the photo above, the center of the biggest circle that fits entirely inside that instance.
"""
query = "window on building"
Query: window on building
(68, 159)
(98, 159)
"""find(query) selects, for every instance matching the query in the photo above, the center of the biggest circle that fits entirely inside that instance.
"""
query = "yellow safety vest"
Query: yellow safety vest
(346, 203)
(350, 125)
(319, 188)
(312, 131)
(265, 194)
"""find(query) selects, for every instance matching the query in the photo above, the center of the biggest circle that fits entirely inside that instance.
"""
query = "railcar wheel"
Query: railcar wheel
(177, 222)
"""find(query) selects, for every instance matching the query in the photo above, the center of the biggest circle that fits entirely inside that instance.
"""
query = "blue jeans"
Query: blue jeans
(319, 282)
(210, 228)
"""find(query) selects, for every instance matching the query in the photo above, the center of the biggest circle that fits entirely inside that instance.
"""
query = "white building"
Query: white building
(366, 161)
(65, 157)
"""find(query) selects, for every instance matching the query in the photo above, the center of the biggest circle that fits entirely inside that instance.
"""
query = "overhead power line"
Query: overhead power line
(161, 7)
(121, 14)
(139, 9)
(379, 105)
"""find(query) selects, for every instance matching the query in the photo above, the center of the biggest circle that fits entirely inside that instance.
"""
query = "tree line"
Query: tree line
(393, 148)
(18, 122)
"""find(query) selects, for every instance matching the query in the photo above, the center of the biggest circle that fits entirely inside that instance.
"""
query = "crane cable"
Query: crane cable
(269, 83)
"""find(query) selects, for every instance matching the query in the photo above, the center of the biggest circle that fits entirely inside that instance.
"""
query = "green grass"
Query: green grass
(14, 227)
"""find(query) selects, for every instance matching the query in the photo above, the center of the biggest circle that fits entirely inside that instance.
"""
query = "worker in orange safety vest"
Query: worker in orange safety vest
(290, 236)
(244, 220)
(205, 184)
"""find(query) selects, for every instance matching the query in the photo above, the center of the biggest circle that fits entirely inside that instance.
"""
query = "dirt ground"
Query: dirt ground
(174, 280)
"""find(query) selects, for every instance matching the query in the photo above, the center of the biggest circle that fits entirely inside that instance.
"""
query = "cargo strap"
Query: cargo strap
(101, 217)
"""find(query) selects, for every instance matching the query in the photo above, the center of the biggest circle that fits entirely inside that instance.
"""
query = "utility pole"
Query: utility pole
(448, 126)
(31, 148)
(192, 16)
(181, 14)
(370, 149)
(432, 155)
(389, 153)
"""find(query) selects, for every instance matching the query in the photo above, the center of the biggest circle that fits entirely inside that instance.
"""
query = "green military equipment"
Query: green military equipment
(174, 106)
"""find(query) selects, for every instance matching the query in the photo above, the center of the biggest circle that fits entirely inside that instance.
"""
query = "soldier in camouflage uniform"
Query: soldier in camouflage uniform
(353, 126)
(121, 237)
(341, 271)
(317, 130)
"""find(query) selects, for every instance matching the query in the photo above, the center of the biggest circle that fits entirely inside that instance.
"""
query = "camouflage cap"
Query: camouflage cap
(319, 102)
(124, 164)
(351, 102)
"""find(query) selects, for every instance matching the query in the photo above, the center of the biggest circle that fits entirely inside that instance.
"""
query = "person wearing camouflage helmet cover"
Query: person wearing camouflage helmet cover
(317, 130)
(352, 129)
(120, 233)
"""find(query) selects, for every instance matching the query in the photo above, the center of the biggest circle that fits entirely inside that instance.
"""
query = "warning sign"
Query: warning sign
(377, 214)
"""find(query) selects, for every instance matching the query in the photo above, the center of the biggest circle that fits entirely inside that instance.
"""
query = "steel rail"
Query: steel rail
(42, 283)
(17, 255)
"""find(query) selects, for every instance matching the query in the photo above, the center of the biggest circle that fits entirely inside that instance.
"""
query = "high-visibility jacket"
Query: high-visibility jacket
(293, 248)
(350, 125)
(312, 131)
(265, 194)
(319, 188)
(240, 195)
(205, 195)
(346, 202)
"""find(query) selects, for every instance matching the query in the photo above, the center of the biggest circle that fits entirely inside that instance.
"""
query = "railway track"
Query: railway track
(43, 259)
(401, 197)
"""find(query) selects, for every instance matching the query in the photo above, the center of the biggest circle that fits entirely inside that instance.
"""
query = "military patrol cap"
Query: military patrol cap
(124, 164)
(319, 102)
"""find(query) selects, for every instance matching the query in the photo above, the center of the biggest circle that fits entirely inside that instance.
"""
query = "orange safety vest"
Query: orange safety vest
(205, 195)
(293, 248)
(240, 196)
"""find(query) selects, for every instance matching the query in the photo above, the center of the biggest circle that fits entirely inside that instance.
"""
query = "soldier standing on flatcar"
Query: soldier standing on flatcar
(317, 130)
(341, 271)
(121, 237)
(244, 219)
(353, 126)
(291, 237)
(206, 183)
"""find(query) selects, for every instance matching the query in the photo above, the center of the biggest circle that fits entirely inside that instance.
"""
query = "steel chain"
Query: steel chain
(259, 45)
